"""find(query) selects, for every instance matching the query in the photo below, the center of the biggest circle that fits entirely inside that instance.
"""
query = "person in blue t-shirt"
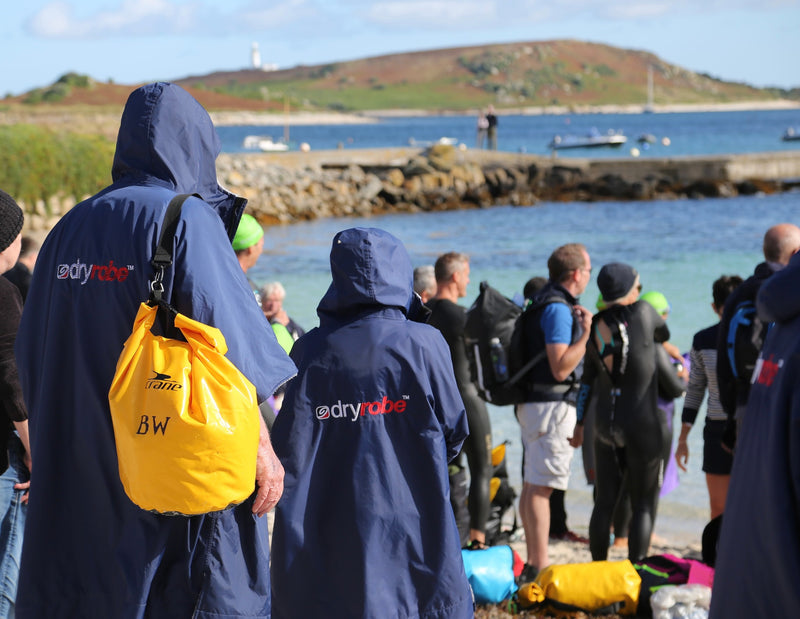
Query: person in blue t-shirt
(556, 327)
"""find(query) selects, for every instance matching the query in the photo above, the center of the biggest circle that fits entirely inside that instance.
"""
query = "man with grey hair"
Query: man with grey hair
(272, 296)
(425, 282)
(452, 276)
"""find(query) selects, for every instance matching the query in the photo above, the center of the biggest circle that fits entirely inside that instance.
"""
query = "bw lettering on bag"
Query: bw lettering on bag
(158, 426)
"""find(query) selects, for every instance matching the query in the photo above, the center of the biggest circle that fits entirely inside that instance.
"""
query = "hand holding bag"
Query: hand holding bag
(186, 420)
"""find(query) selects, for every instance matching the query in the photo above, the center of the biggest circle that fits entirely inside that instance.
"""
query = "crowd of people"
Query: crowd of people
(374, 444)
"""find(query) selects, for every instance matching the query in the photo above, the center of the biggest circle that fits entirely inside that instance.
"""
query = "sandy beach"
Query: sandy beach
(575, 552)
(234, 118)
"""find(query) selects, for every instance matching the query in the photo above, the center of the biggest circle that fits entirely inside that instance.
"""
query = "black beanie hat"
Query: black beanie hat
(11, 218)
(615, 280)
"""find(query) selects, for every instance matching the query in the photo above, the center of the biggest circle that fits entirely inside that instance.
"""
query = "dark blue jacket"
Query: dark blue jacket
(365, 527)
(758, 561)
(89, 551)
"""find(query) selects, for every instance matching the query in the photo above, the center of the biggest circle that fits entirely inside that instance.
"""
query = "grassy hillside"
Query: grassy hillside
(512, 75)
(508, 75)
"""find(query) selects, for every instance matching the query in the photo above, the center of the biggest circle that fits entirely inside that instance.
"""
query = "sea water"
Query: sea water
(676, 134)
(679, 247)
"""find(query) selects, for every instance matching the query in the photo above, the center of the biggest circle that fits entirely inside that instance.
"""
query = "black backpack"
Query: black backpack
(498, 367)
(492, 317)
(745, 337)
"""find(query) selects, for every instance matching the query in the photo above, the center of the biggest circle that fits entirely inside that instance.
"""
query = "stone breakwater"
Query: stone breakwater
(290, 187)
(296, 186)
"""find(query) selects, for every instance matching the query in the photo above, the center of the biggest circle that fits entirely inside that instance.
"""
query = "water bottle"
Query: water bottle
(499, 362)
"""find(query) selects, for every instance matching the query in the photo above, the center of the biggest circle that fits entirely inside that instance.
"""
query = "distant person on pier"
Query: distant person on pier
(491, 130)
(483, 128)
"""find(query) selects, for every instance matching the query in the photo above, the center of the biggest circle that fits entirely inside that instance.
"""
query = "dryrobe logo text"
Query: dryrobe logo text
(766, 370)
(163, 382)
(83, 272)
(354, 410)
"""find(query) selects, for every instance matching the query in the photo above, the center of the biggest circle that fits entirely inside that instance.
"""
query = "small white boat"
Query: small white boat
(593, 139)
(791, 134)
(443, 140)
(264, 143)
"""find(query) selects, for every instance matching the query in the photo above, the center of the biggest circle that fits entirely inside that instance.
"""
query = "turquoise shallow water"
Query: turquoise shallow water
(679, 247)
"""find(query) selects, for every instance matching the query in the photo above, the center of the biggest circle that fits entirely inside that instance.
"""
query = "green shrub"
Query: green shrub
(38, 163)
(75, 79)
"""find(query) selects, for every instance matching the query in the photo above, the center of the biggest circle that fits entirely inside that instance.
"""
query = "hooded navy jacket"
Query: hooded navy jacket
(758, 560)
(365, 527)
(89, 551)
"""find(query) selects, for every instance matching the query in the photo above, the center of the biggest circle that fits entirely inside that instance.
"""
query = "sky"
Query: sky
(137, 41)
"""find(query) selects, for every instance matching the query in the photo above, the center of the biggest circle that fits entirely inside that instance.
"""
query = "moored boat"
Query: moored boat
(265, 143)
(791, 134)
(593, 139)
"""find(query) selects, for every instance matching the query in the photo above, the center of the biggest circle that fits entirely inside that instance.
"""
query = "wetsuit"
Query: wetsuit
(630, 431)
(450, 319)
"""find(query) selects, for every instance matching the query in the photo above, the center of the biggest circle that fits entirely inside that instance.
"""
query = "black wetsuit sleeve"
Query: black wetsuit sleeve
(661, 330)
(726, 381)
(670, 385)
(591, 366)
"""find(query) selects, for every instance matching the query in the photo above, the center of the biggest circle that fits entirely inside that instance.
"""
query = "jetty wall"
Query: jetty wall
(296, 186)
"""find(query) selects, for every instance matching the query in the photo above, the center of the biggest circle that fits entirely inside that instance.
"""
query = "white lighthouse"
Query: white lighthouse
(255, 56)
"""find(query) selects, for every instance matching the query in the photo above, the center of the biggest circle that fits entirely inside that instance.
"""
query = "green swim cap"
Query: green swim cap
(601, 302)
(657, 300)
(248, 233)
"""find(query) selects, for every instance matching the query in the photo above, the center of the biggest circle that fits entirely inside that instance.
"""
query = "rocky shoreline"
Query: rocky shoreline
(283, 188)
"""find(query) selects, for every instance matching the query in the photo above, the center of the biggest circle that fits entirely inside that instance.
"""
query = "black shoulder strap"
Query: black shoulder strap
(542, 354)
(162, 258)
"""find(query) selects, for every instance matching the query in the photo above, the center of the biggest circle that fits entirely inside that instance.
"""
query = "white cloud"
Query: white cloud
(431, 14)
(329, 19)
(58, 20)
(274, 16)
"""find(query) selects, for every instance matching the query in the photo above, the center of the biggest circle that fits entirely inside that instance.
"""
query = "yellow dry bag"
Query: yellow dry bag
(599, 587)
(186, 420)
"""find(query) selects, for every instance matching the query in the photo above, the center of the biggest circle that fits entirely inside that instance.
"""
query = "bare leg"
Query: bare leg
(535, 513)
(717, 492)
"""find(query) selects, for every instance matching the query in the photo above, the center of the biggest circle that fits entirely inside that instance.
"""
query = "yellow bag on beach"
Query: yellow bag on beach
(599, 587)
(186, 420)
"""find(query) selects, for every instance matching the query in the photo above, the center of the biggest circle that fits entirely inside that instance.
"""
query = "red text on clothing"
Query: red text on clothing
(352, 411)
(766, 370)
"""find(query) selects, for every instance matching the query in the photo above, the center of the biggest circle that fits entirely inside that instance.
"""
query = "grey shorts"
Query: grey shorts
(546, 428)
